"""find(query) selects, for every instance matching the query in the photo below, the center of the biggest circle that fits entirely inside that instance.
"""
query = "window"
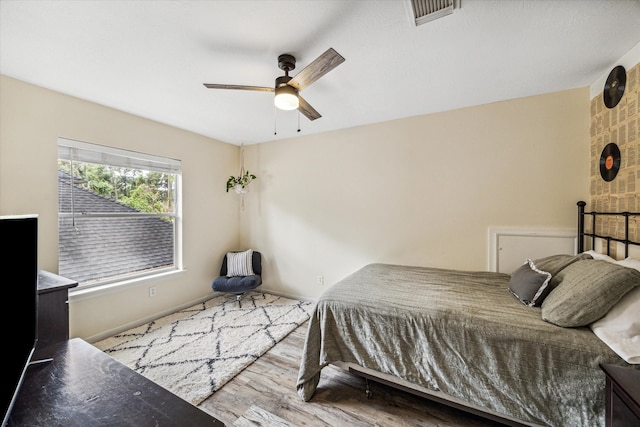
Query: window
(118, 213)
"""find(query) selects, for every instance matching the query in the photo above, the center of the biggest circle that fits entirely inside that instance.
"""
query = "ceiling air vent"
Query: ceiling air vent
(428, 10)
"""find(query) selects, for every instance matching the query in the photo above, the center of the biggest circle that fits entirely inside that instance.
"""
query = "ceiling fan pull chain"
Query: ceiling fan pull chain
(298, 120)
(275, 120)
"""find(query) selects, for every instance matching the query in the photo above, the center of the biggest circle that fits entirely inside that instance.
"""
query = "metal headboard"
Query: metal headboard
(582, 233)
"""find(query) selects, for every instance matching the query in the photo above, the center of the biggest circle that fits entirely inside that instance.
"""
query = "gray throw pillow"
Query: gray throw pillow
(528, 283)
(588, 289)
(554, 264)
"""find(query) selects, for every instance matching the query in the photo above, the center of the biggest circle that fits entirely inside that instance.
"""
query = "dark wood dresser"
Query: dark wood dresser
(53, 308)
(623, 396)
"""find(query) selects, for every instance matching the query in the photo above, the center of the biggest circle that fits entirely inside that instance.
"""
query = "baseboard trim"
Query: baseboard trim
(115, 331)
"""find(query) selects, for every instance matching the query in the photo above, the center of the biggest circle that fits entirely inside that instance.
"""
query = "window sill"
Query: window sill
(79, 294)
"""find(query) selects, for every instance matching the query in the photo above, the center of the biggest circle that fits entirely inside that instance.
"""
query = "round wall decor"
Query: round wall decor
(614, 86)
(610, 162)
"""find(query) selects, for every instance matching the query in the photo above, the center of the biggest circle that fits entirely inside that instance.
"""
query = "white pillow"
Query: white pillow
(620, 327)
(630, 262)
(239, 263)
(598, 255)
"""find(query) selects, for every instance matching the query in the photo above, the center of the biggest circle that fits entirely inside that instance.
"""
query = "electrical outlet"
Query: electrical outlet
(320, 280)
(152, 292)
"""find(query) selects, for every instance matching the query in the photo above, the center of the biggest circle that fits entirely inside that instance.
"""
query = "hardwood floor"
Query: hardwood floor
(340, 400)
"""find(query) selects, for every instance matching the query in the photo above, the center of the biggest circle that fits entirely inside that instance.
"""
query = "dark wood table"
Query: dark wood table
(82, 386)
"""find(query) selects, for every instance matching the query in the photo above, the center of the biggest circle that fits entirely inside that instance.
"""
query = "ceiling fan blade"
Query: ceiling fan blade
(239, 87)
(305, 108)
(318, 68)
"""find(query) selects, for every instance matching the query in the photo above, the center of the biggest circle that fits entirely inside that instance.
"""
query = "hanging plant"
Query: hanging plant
(240, 182)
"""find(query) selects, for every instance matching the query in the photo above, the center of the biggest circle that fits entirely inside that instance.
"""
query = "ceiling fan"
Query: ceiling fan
(287, 89)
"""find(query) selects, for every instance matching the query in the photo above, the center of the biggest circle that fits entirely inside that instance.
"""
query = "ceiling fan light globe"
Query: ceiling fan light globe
(286, 96)
(286, 101)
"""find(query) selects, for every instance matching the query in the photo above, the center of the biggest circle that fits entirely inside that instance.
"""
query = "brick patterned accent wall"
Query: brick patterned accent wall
(621, 125)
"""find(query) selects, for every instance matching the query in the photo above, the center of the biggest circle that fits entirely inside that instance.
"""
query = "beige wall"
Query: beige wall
(31, 120)
(420, 191)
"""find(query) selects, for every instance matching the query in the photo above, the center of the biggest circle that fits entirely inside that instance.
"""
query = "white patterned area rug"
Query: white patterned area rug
(195, 351)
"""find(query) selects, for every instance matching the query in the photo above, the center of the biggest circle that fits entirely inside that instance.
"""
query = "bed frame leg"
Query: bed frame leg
(368, 389)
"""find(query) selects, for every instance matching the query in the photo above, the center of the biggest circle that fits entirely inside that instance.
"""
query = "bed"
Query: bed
(463, 338)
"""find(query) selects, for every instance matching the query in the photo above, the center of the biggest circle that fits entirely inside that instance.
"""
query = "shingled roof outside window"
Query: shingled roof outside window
(99, 248)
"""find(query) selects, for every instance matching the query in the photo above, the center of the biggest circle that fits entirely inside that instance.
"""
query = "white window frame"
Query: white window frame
(78, 151)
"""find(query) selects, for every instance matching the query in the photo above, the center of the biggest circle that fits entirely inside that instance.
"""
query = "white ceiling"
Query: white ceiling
(150, 58)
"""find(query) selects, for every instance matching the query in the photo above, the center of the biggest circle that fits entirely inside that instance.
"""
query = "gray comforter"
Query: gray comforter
(461, 333)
